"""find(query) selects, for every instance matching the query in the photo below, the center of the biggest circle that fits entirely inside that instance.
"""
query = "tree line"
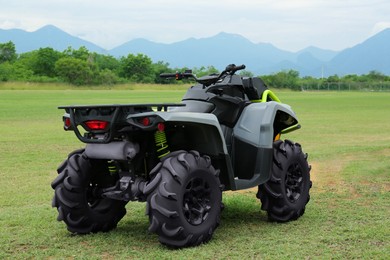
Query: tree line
(82, 67)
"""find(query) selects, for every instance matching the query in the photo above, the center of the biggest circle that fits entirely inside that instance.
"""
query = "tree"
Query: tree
(5, 71)
(161, 67)
(74, 71)
(106, 62)
(82, 53)
(20, 72)
(284, 79)
(44, 62)
(333, 78)
(137, 68)
(351, 77)
(374, 75)
(245, 73)
(7, 52)
(203, 71)
(107, 77)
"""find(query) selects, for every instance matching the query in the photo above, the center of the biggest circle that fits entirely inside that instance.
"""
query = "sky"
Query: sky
(287, 24)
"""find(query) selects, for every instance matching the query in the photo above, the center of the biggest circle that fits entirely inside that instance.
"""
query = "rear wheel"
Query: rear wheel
(184, 200)
(77, 200)
(286, 194)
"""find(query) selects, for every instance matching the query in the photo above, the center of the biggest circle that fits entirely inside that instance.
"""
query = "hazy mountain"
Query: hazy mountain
(223, 49)
(47, 36)
(319, 54)
(218, 50)
(372, 54)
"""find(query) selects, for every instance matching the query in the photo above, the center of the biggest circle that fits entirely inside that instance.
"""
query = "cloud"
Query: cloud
(288, 24)
(380, 26)
(9, 24)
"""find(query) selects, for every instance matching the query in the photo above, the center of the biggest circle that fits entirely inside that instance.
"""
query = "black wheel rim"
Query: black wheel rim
(93, 195)
(197, 201)
(294, 182)
(99, 180)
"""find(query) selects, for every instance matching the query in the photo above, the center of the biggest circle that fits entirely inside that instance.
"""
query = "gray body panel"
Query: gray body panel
(194, 106)
(206, 125)
(252, 144)
(255, 125)
(250, 140)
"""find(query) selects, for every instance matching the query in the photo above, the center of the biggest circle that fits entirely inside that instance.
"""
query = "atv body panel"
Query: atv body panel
(234, 121)
(224, 135)
(252, 141)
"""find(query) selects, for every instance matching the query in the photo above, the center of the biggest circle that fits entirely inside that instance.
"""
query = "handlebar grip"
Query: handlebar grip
(241, 67)
(232, 68)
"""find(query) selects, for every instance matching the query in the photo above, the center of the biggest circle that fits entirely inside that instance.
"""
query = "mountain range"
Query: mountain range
(225, 48)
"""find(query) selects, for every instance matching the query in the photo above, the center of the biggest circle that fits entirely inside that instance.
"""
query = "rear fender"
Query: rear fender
(195, 131)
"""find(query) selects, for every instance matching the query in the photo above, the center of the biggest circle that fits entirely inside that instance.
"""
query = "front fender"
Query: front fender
(261, 122)
(253, 138)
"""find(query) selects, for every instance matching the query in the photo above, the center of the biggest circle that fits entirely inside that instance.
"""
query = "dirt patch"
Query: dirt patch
(326, 176)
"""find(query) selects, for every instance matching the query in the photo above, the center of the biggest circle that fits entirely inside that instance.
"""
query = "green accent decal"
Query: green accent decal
(291, 128)
(271, 95)
(264, 97)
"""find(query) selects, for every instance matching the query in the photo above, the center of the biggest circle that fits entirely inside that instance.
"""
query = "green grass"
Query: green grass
(345, 134)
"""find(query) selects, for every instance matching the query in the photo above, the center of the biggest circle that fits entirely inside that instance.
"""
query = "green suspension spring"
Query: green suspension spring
(161, 143)
(112, 167)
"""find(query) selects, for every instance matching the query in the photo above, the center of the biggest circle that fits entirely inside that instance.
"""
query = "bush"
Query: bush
(74, 71)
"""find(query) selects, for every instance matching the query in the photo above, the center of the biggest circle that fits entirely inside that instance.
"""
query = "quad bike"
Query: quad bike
(179, 158)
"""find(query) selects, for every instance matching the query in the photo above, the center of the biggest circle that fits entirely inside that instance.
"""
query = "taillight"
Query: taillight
(67, 122)
(161, 127)
(148, 122)
(96, 124)
(145, 121)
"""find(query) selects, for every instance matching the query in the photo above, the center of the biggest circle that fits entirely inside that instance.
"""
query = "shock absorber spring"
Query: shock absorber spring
(160, 139)
(112, 168)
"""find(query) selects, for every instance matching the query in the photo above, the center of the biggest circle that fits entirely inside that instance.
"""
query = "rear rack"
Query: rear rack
(115, 115)
(160, 107)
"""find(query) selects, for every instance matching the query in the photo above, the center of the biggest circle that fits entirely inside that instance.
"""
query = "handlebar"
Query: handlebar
(167, 75)
(177, 75)
(231, 69)
(206, 80)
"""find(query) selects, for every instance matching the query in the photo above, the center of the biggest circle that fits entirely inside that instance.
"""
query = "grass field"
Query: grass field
(345, 133)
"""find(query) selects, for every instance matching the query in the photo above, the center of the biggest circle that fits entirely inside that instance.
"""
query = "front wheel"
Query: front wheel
(185, 201)
(286, 194)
